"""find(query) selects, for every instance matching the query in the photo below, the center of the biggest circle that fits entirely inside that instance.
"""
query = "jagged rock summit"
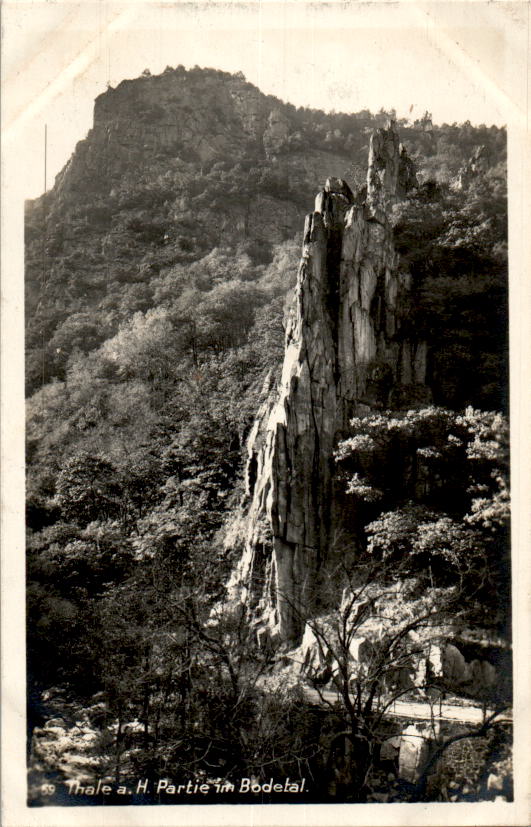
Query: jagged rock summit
(346, 354)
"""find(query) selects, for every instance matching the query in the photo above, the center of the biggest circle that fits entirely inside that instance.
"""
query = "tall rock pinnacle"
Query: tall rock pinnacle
(345, 355)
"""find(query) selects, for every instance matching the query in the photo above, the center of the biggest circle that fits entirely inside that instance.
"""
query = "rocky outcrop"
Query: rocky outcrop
(384, 163)
(392, 172)
(345, 354)
(407, 174)
(276, 133)
(477, 165)
(447, 664)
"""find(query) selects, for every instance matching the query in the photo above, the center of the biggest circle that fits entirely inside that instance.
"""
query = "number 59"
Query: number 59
(48, 789)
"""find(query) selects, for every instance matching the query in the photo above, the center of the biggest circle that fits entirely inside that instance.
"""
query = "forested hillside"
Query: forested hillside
(158, 273)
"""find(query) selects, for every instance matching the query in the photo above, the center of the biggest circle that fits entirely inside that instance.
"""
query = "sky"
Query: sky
(459, 60)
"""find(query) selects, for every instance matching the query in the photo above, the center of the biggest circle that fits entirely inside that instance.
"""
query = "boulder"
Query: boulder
(482, 675)
(390, 748)
(54, 723)
(414, 753)
(455, 669)
(495, 782)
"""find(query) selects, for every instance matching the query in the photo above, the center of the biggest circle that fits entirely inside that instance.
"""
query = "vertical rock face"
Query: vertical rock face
(391, 171)
(277, 132)
(345, 355)
(477, 164)
(384, 162)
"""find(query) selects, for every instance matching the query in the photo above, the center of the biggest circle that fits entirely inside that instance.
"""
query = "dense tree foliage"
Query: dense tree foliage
(455, 246)
(433, 485)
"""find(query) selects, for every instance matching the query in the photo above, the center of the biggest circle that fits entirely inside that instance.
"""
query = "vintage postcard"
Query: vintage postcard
(265, 409)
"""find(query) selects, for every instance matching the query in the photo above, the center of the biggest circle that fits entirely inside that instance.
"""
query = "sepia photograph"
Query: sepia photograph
(262, 301)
